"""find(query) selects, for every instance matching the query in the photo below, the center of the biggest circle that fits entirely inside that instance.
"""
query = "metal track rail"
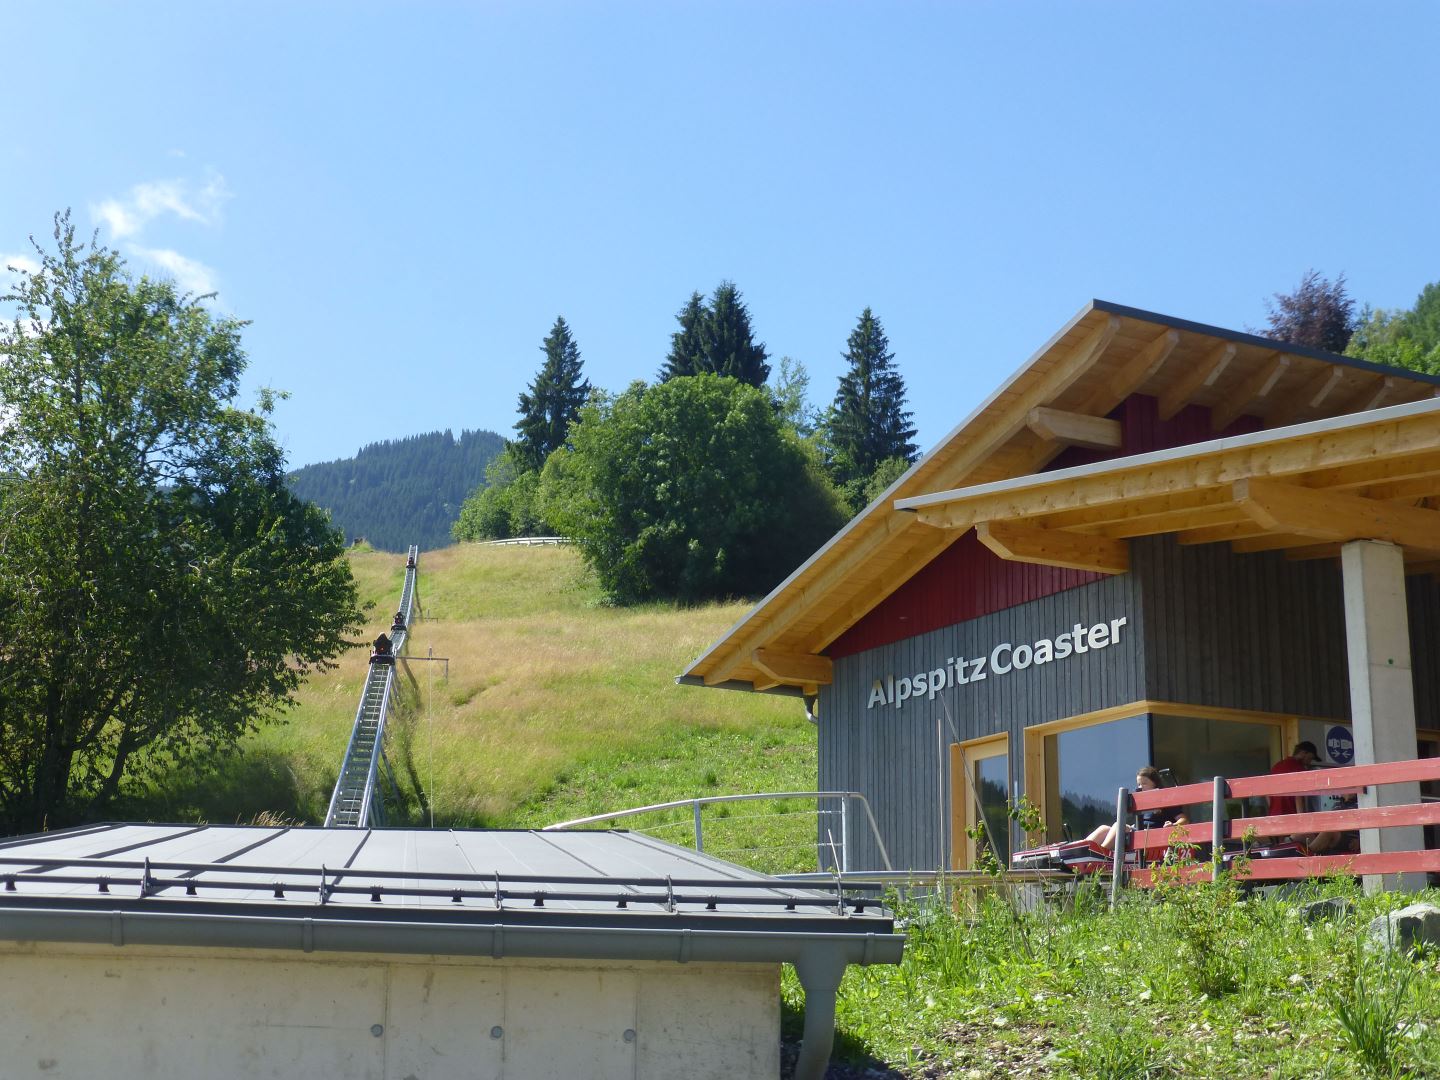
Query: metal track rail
(355, 801)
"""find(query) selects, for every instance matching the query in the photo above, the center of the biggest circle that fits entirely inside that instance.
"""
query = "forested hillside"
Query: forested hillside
(401, 491)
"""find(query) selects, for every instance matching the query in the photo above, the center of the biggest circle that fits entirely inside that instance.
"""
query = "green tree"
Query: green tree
(867, 423)
(161, 590)
(687, 345)
(504, 506)
(792, 397)
(717, 338)
(1403, 338)
(554, 399)
(689, 490)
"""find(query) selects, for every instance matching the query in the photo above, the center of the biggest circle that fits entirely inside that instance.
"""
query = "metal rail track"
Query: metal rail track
(356, 800)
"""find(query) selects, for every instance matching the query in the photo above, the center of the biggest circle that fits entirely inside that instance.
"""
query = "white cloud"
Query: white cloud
(20, 262)
(191, 276)
(128, 215)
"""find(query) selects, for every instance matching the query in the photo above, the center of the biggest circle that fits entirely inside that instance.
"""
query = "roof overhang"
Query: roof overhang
(1304, 489)
(1061, 397)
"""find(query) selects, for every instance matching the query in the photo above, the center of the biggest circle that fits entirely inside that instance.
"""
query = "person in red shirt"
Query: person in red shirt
(1301, 758)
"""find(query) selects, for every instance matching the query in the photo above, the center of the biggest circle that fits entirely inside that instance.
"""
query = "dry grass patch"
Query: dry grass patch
(555, 706)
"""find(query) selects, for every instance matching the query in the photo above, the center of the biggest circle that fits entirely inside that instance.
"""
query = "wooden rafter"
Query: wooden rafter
(1376, 393)
(785, 616)
(1054, 547)
(1177, 395)
(794, 667)
(1132, 376)
(1311, 397)
(1255, 387)
(1074, 429)
(1266, 455)
(1327, 515)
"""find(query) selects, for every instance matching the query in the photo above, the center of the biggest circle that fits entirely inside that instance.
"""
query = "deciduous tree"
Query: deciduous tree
(1320, 314)
(689, 490)
(161, 590)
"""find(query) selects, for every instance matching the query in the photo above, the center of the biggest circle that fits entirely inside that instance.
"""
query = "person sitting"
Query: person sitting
(381, 646)
(1336, 842)
(1147, 779)
(398, 623)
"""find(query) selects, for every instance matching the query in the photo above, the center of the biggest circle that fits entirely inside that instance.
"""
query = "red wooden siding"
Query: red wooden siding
(967, 580)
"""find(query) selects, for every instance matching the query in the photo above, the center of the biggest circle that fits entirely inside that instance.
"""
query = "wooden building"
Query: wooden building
(1158, 542)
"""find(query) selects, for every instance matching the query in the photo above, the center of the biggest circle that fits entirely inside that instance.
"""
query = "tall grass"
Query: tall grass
(1108, 993)
(555, 706)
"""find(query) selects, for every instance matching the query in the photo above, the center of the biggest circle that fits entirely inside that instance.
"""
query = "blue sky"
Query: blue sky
(402, 198)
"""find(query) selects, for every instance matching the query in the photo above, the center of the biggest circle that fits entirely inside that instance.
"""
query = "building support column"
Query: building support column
(1382, 691)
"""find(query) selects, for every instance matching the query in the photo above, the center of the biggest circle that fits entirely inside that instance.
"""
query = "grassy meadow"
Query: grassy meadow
(554, 706)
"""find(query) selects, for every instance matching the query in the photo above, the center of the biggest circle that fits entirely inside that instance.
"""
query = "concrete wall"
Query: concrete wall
(152, 1013)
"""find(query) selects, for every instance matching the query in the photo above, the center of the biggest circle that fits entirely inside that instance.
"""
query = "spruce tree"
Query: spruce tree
(553, 402)
(868, 422)
(716, 338)
(730, 346)
(687, 345)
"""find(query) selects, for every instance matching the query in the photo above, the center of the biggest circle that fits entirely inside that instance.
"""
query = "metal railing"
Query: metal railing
(492, 889)
(526, 541)
(353, 803)
(826, 841)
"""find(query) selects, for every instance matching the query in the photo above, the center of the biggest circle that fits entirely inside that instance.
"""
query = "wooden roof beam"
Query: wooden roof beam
(797, 668)
(1177, 395)
(796, 606)
(1365, 442)
(1255, 387)
(1054, 547)
(1375, 395)
(1329, 515)
(1317, 391)
(1098, 518)
(1132, 376)
(1056, 381)
(1074, 429)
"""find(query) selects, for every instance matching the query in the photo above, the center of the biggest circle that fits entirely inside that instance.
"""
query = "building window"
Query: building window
(980, 792)
(1074, 767)
(1086, 767)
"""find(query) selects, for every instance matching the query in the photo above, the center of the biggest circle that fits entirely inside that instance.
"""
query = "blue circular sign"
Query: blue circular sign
(1340, 745)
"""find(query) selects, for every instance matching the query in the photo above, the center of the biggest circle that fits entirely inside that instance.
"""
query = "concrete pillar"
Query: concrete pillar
(1382, 690)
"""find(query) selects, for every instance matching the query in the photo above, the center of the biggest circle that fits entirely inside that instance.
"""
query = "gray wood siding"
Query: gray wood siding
(1205, 627)
(894, 756)
(1254, 631)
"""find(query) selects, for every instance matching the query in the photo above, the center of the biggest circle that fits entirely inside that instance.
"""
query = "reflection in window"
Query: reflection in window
(1085, 768)
(992, 782)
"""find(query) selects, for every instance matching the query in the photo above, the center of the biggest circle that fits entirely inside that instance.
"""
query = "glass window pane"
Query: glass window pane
(1087, 766)
(1195, 750)
(992, 781)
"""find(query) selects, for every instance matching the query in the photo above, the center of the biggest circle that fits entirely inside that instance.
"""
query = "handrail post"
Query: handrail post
(1217, 828)
(1117, 869)
(845, 835)
(699, 837)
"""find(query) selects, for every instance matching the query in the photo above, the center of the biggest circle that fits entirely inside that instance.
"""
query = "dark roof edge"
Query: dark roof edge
(1261, 342)
(495, 940)
(783, 690)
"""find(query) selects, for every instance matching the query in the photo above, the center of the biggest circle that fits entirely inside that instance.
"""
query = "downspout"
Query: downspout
(820, 973)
